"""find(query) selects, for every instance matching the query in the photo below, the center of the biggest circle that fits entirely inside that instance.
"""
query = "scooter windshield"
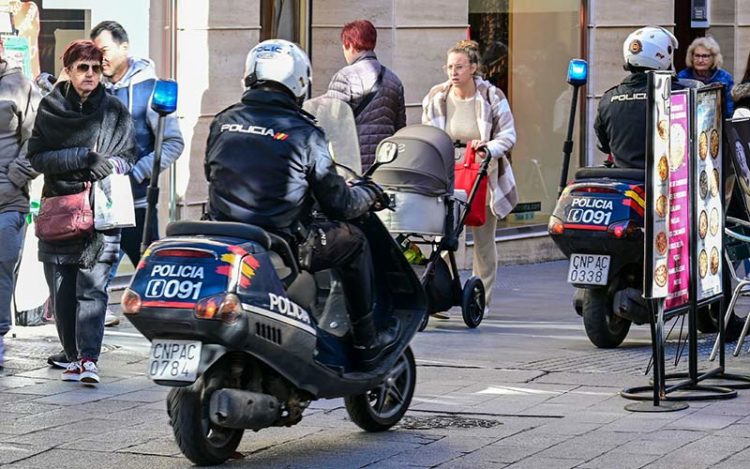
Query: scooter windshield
(337, 120)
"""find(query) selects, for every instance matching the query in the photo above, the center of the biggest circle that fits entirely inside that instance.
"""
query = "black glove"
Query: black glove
(99, 167)
(381, 200)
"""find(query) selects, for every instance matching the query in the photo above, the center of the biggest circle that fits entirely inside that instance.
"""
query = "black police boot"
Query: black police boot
(372, 345)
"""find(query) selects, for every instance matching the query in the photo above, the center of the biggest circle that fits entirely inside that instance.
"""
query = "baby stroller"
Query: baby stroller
(428, 212)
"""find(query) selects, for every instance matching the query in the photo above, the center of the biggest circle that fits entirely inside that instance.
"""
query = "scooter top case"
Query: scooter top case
(226, 285)
(601, 212)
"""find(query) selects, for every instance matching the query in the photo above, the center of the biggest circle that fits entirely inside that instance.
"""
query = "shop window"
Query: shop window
(525, 48)
(284, 19)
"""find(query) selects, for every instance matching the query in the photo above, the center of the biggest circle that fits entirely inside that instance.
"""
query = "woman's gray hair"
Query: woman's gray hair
(707, 42)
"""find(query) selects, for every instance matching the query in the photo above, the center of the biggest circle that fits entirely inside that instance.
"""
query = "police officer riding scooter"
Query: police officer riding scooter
(268, 164)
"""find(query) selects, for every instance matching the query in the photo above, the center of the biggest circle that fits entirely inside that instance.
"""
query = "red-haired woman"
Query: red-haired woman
(385, 113)
(81, 135)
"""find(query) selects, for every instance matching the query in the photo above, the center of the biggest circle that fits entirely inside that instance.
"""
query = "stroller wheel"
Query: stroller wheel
(472, 302)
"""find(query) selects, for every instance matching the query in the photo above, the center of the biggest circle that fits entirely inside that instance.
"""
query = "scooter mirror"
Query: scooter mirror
(578, 72)
(387, 152)
(164, 97)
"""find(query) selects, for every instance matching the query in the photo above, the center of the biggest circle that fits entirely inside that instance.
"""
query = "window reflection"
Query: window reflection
(527, 46)
(280, 19)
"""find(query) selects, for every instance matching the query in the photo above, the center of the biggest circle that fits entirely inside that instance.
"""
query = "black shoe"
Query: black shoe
(385, 341)
(58, 360)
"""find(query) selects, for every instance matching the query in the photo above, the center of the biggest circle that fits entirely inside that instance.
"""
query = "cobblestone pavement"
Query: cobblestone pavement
(524, 390)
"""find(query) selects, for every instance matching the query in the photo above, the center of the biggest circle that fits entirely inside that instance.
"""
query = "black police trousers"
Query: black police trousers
(343, 247)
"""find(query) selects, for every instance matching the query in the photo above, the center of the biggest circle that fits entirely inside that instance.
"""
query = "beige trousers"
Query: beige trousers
(484, 264)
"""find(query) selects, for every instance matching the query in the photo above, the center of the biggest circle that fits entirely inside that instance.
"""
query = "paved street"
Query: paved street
(524, 390)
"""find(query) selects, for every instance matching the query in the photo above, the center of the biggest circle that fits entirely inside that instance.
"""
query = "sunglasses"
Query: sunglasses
(84, 68)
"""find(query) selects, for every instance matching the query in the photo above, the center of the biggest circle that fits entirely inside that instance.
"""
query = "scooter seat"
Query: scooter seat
(220, 228)
(600, 172)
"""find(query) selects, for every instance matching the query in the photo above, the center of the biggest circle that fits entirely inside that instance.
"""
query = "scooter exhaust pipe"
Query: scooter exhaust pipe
(235, 408)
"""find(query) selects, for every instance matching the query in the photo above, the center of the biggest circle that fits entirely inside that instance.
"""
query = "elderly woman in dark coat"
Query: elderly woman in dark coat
(81, 135)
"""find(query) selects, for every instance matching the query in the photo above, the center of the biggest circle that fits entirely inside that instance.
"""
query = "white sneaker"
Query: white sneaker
(89, 372)
(110, 320)
(486, 312)
(72, 372)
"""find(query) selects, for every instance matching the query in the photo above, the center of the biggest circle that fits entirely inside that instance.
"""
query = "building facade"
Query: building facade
(527, 45)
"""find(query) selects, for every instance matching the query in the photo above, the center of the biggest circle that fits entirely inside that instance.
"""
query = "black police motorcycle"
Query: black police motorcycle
(598, 225)
(247, 340)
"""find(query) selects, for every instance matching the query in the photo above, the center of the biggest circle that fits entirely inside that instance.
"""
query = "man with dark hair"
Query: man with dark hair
(18, 105)
(132, 80)
(373, 91)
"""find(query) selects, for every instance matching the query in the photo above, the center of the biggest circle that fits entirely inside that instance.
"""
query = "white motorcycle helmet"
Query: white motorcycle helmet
(651, 47)
(279, 61)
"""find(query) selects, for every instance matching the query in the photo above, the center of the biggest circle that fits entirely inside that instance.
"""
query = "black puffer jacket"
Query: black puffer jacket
(65, 131)
(267, 163)
(384, 115)
(620, 122)
(741, 97)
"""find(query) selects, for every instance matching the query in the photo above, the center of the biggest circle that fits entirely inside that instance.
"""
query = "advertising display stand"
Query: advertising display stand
(683, 233)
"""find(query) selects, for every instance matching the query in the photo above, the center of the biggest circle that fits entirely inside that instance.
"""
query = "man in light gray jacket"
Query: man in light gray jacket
(18, 103)
(374, 92)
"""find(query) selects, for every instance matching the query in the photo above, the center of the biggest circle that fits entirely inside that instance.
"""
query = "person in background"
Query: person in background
(81, 135)
(18, 104)
(704, 61)
(470, 108)
(374, 92)
(132, 80)
(741, 94)
(620, 123)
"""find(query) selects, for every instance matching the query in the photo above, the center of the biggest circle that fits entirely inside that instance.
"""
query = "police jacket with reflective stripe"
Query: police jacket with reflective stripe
(620, 123)
(267, 163)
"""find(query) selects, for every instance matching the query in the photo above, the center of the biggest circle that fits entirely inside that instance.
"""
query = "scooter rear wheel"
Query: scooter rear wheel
(200, 440)
(381, 408)
(603, 327)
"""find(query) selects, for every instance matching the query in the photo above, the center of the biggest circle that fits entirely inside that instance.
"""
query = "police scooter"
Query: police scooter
(246, 340)
(598, 224)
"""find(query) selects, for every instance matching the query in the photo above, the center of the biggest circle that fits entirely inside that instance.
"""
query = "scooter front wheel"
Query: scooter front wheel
(603, 327)
(201, 441)
(381, 408)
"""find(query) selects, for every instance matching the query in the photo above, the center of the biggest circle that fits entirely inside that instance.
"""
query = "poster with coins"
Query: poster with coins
(656, 271)
(708, 192)
(676, 244)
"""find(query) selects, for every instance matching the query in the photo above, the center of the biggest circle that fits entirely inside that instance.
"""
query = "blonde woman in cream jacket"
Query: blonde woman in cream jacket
(468, 107)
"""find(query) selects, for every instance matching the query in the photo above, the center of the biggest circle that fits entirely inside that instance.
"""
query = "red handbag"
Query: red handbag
(65, 217)
(467, 172)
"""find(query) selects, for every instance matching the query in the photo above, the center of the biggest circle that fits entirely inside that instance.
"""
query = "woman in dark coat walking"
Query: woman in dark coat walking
(81, 135)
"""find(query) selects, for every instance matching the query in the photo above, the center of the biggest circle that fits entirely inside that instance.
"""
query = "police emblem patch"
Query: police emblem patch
(635, 47)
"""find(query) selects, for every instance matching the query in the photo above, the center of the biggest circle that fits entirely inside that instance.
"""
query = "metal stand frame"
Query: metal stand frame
(690, 387)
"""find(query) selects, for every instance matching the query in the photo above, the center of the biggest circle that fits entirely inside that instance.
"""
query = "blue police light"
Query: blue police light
(578, 72)
(164, 98)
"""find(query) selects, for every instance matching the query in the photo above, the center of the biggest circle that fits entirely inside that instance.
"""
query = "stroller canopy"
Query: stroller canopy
(425, 162)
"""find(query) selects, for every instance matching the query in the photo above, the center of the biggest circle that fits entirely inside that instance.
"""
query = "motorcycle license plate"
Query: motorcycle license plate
(174, 360)
(591, 269)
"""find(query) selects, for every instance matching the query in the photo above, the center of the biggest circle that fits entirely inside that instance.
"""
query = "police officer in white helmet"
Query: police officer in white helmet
(267, 163)
(620, 124)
